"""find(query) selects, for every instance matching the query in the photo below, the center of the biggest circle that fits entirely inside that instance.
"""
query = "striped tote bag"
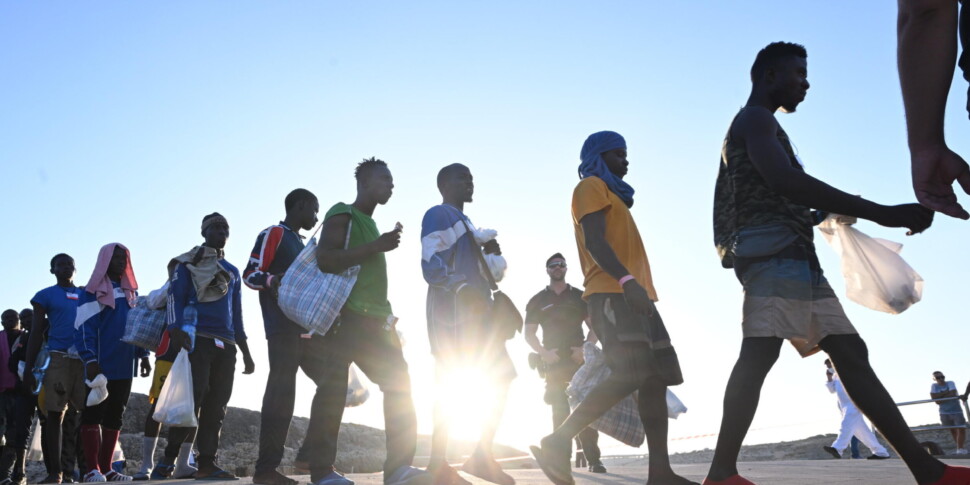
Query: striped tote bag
(312, 298)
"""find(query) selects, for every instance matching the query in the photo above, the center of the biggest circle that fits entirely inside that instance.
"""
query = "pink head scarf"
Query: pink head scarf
(100, 285)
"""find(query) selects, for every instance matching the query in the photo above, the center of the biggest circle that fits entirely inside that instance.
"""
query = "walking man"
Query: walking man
(459, 297)
(366, 332)
(763, 230)
(560, 311)
(209, 286)
(289, 346)
(102, 314)
(853, 424)
(620, 298)
(55, 309)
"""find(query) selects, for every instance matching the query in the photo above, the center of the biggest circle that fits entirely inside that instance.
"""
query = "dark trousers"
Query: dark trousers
(110, 412)
(377, 352)
(588, 438)
(288, 353)
(213, 371)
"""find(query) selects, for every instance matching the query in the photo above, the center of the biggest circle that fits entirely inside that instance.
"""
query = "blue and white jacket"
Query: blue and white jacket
(98, 330)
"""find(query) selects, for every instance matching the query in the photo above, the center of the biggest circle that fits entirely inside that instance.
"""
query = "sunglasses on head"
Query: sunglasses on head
(556, 264)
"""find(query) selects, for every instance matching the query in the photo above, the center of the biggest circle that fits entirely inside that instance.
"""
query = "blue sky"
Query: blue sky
(128, 121)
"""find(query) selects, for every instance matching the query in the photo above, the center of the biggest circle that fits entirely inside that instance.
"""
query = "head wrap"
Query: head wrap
(100, 285)
(593, 165)
(211, 219)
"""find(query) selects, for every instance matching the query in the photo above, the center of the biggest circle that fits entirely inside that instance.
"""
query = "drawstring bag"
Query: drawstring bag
(876, 276)
(176, 401)
(310, 297)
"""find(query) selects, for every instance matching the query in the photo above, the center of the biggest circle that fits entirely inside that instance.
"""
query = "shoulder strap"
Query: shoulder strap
(481, 258)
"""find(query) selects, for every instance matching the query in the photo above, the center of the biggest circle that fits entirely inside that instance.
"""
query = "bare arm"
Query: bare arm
(757, 129)
(594, 235)
(34, 341)
(331, 255)
(532, 338)
(926, 55)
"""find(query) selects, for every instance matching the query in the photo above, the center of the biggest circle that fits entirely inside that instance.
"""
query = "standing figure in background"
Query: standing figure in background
(853, 423)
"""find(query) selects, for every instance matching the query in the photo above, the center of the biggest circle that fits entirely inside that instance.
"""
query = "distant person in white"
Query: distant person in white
(853, 424)
(950, 412)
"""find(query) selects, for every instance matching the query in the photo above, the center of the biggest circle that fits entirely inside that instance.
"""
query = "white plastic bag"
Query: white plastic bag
(496, 262)
(99, 390)
(357, 392)
(876, 276)
(176, 401)
(674, 405)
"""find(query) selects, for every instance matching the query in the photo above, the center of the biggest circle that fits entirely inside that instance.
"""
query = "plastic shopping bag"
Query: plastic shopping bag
(674, 405)
(357, 392)
(876, 276)
(176, 401)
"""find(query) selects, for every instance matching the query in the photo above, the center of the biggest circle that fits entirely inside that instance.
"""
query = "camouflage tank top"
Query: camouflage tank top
(743, 200)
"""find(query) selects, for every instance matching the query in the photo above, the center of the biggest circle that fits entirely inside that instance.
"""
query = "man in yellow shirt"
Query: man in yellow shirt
(620, 296)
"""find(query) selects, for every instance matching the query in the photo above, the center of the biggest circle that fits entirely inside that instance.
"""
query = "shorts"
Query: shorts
(460, 337)
(953, 420)
(786, 296)
(64, 383)
(637, 347)
(162, 368)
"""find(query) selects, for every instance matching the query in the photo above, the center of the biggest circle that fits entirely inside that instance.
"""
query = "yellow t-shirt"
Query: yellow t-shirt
(592, 195)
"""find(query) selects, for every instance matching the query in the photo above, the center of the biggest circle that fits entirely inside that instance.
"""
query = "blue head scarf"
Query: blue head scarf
(593, 164)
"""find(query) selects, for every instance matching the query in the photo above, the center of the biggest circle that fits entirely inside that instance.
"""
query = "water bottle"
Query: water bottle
(190, 319)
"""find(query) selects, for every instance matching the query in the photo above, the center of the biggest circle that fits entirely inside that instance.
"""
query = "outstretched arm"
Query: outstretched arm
(926, 55)
(757, 128)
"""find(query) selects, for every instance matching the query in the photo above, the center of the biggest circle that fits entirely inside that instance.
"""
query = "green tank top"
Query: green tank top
(369, 296)
(743, 199)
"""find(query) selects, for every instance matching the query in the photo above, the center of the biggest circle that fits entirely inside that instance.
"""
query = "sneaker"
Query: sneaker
(93, 476)
(333, 478)
(142, 476)
(597, 467)
(961, 451)
(878, 457)
(408, 475)
(114, 476)
(832, 451)
(553, 459)
(445, 475)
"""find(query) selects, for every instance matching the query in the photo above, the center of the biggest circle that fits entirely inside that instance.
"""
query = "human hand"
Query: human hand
(577, 355)
(248, 365)
(914, 217)
(388, 241)
(91, 370)
(934, 171)
(180, 339)
(146, 367)
(276, 280)
(492, 247)
(29, 381)
(549, 356)
(638, 299)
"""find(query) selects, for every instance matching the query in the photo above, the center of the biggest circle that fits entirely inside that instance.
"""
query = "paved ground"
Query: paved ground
(801, 472)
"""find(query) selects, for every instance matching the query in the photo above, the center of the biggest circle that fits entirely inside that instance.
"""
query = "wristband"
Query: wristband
(626, 278)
